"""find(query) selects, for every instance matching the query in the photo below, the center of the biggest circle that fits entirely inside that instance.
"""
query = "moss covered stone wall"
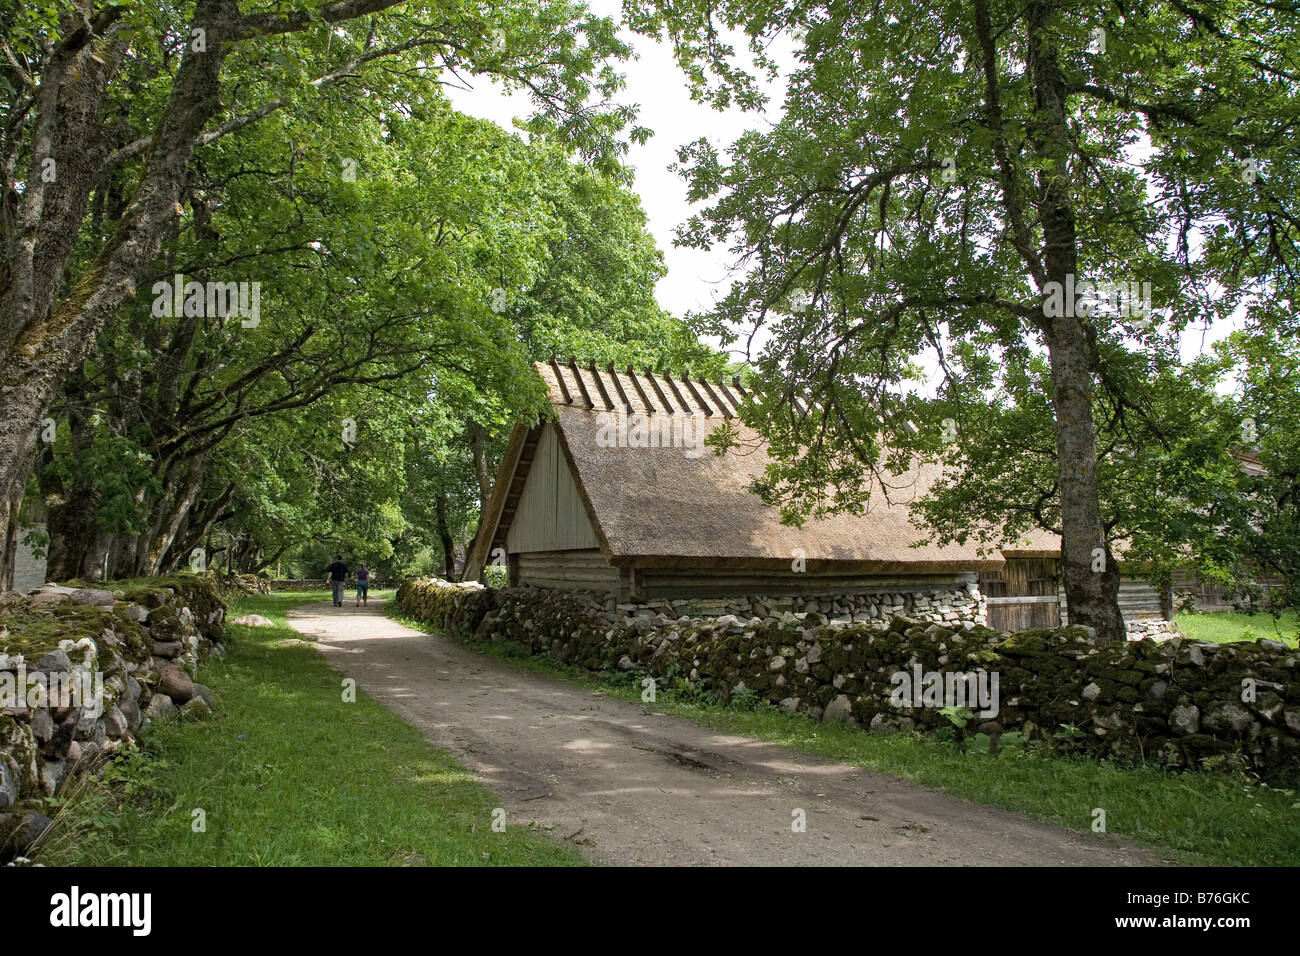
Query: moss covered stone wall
(1174, 701)
(132, 651)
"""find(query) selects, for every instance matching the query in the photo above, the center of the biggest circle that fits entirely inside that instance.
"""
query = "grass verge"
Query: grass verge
(1224, 626)
(1196, 818)
(287, 774)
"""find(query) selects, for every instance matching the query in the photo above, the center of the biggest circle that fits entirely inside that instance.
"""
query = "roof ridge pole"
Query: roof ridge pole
(559, 377)
(686, 406)
(636, 383)
(582, 386)
(600, 384)
(654, 380)
(622, 394)
(708, 412)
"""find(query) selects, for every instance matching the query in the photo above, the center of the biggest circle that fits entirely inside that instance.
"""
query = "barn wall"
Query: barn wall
(550, 516)
(724, 582)
(585, 570)
(1137, 600)
(1023, 594)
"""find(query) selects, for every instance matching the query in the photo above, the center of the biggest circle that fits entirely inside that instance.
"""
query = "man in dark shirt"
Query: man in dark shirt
(338, 574)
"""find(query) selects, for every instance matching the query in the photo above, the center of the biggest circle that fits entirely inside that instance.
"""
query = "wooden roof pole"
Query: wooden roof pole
(722, 406)
(600, 384)
(686, 406)
(582, 386)
(708, 412)
(622, 395)
(559, 377)
(654, 380)
(636, 383)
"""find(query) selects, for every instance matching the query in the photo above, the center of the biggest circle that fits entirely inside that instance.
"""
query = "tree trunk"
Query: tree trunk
(448, 542)
(1091, 575)
(43, 339)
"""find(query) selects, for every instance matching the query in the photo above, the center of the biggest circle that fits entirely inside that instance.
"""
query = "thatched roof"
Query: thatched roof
(664, 506)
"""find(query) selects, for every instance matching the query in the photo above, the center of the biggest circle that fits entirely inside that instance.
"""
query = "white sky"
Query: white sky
(656, 85)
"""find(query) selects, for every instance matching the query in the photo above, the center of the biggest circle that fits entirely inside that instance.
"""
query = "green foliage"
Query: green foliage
(899, 210)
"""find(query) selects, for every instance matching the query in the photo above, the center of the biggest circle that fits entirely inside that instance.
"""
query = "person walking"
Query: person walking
(363, 584)
(338, 575)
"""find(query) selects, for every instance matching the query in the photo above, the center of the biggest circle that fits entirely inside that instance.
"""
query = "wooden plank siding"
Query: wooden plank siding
(550, 515)
(1023, 594)
(585, 570)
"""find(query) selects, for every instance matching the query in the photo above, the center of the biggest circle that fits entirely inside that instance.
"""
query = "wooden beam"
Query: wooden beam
(600, 384)
(559, 377)
(582, 386)
(654, 381)
(618, 384)
(636, 383)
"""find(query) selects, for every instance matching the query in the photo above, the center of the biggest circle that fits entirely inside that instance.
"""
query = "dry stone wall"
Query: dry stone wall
(84, 671)
(1175, 702)
(952, 606)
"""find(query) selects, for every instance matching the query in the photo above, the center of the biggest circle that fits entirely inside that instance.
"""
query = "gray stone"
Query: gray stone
(130, 710)
(196, 709)
(1268, 705)
(20, 831)
(1292, 720)
(1157, 690)
(8, 785)
(626, 663)
(54, 661)
(204, 691)
(840, 710)
(42, 724)
(790, 704)
(137, 613)
(115, 723)
(1227, 717)
(1091, 692)
(52, 774)
(91, 596)
(160, 708)
(777, 663)
(168, 649)
(1185, 719)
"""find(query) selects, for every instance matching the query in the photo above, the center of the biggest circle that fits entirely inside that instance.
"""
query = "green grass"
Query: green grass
(1196, 818)
(1223, 626)
(288, 775)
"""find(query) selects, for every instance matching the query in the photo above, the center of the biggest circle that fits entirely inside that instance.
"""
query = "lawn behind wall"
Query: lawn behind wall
(1211, 817)
(1224, 626)
(287, 774)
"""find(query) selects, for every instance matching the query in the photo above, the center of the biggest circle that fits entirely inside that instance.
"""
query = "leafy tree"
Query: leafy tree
(109, 108)
(943, 172)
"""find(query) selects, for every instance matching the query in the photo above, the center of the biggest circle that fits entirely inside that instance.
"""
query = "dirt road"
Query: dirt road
(630, 786)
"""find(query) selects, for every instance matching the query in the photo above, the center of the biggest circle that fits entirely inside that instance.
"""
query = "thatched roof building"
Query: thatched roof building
(619, 494)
